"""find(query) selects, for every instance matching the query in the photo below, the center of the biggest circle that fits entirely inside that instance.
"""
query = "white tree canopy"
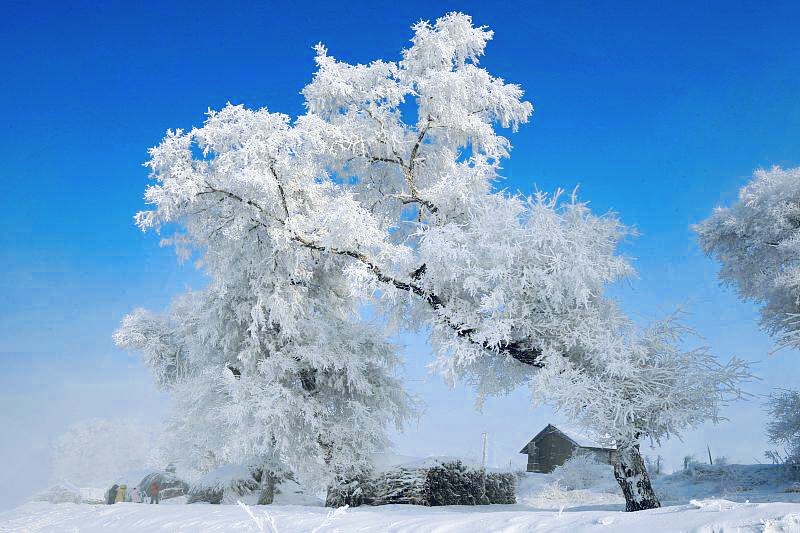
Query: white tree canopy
(385, 193)
(757, 241)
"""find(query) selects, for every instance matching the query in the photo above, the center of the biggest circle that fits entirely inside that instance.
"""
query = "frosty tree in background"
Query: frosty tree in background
(783, 427)
(93, 453)
(757, 241)
(384, 193)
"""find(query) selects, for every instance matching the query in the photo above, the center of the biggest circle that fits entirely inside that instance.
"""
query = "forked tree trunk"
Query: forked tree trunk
(267, 489)
(631, 474)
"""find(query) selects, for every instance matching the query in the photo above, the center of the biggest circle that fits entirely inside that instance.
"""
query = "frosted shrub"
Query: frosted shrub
(581, 471)
(449, 483)
(550, 494)
(455, 484)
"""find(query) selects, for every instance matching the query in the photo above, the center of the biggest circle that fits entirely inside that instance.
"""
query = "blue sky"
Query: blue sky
(658, 111)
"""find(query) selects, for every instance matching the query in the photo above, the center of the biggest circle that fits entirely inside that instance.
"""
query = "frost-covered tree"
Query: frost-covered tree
(641, 384)
(95, 452)
(311, 399)
(385, 193)
(757, 241)
(783, 426)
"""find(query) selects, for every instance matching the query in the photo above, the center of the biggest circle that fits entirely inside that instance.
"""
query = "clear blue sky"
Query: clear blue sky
(658, 110)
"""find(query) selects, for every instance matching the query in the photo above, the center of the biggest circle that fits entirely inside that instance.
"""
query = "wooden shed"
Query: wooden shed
(552, 446)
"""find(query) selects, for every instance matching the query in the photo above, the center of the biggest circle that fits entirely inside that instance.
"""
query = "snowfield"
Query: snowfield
(701, 516)
(578, 497)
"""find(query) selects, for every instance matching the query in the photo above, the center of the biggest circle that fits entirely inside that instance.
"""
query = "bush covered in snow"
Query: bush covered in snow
(543, 492)
(444, 483)
(455, 484)
(399, 485)
(501, 487)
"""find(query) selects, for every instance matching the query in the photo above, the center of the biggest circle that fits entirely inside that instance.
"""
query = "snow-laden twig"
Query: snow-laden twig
(270, 520)
(339, 511)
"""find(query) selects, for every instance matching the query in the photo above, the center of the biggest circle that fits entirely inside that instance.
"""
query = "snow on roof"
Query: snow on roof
(581, 437)
(587, 439)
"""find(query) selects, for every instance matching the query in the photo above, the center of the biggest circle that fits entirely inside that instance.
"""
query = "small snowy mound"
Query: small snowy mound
(583, 471)
(63, 492)
(224, 484)
(714, 504)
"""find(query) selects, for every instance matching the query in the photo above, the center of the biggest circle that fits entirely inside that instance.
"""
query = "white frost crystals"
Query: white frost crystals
(384, 195)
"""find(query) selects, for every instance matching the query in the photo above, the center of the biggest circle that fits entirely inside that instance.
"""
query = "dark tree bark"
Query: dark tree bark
(631, 474)
(267, 489)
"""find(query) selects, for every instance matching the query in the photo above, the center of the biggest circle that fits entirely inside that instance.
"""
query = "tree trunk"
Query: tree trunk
(631, 474)
(267, 494)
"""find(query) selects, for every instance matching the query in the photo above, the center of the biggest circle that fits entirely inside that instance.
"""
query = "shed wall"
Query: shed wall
(551, 451)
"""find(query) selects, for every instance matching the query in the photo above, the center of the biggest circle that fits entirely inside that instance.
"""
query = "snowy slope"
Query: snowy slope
(704, 516)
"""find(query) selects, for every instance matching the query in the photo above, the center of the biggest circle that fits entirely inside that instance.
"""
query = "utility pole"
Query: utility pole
(485, 437)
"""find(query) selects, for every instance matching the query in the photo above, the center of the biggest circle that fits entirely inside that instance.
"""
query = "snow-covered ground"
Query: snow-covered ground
(704, 516)
(699, 499)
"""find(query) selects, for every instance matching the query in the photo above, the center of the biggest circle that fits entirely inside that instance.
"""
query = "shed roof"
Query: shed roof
(582, 439)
